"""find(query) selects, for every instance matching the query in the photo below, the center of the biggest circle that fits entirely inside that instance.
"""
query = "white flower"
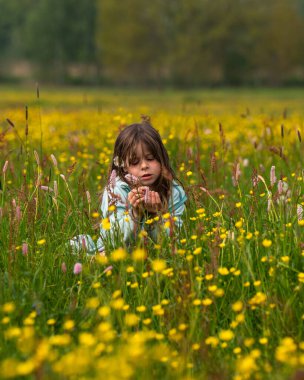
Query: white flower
(245, 162)
(46, 188)
(117, 162)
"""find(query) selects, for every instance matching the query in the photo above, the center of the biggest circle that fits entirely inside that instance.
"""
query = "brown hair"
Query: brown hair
(125, 149)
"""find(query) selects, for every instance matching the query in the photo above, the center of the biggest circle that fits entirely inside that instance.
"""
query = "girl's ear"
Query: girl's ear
(167, 174)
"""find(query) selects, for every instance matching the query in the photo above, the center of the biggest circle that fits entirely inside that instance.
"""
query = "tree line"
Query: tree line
(142, 42)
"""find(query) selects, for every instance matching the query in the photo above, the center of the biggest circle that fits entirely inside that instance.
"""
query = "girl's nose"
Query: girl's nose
(144, 164)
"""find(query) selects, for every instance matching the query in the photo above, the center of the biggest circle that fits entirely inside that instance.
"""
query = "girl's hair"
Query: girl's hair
(125, 151)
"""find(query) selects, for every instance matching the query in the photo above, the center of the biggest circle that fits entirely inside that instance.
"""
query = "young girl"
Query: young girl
(141, 187)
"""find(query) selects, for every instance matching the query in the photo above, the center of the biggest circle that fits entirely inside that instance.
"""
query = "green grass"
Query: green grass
(190, 326)
(165, 99)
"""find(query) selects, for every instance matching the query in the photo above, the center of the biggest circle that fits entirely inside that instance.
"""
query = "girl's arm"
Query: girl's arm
(119, 216)
(177, 204)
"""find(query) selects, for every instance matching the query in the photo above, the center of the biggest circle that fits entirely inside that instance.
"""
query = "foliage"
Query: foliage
(191, 43)
(222, 298)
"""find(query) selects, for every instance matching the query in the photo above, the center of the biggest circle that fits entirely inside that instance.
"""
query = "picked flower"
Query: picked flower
(147, 195)
(132, 179)
(112, 180)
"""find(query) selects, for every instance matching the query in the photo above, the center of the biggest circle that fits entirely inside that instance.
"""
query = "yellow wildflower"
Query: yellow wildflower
(197, 251)
(104, 311)
(8, 307)
(266, 243)
(158, 265)
(223, 271)
(301, 277)
(212, 341)
(131, 319)
(69, 325)
(119, 254)
(237, 306)
(141, 309)
(258, 299)
(226, 335)
(105, 223)
(92, 303)
(207, 301)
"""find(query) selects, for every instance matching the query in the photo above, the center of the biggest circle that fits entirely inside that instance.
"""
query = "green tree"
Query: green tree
(132, 40)
(59, 32)
(278, 36)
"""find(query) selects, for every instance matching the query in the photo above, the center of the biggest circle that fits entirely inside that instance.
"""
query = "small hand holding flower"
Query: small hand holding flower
(153, 202)
(136, 198)
(142, 198)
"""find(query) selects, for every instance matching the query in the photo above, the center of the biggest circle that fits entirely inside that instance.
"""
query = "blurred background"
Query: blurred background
(153, 43)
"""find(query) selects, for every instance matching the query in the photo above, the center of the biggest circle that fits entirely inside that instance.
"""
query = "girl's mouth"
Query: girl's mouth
(146, 176)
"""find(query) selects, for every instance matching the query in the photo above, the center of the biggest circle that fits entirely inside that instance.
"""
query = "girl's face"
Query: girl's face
(144, 166)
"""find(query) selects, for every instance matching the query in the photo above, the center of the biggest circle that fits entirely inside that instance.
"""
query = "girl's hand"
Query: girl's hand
(152, 202)
(136, 197)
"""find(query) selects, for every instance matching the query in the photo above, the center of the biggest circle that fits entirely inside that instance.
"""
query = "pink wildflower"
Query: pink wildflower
(205, 190)
(54, 160)
(236, 174)
(132, 179)
(108, 269)
(37, 157)
(255, 180)
(46, 188)
(147, 195)
(77, 268)
(5, 167)
(112, 180)
(18, 213)
(88, 196)
(24, 249)
(273, 178)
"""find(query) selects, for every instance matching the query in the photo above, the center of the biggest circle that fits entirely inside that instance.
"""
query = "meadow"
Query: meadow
(221, 299)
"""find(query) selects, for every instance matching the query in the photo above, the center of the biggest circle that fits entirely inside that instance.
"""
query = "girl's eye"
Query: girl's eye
(150, 158)
(134, 162)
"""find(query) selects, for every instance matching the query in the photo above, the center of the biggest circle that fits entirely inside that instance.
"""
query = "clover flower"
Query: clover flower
(77, 268)
(132, 179)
